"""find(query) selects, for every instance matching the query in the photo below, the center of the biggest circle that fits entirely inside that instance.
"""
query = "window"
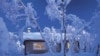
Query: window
(68, 45)
(39, 46)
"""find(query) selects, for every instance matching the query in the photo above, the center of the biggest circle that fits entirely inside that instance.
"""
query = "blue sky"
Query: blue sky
(82, 8)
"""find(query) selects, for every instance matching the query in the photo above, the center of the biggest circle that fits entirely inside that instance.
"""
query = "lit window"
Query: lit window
(39, 46)
(68, 45)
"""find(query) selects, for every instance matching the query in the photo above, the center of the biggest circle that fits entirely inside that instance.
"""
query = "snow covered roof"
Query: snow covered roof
(32, 36)
(37, 36)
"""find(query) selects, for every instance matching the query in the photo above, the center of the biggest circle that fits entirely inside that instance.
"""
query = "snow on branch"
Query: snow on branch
(75, 21)
(54, 8)
(98, 1)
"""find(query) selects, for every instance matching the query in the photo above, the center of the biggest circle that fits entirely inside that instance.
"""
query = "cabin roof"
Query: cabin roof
(32, 36)
(37, 36)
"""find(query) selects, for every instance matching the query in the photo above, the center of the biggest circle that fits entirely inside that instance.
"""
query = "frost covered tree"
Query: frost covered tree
(96, 30)
(4, 39)
(98, 2)
(56, 12)
(53, 38)
(8, 44)
(16, 11)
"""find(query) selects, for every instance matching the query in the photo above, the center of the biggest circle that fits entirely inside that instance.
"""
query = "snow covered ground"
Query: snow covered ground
(68, 54)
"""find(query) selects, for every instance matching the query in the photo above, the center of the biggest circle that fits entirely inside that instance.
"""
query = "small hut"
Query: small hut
(34, 44)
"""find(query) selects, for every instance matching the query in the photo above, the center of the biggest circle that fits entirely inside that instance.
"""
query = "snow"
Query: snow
(32, 36)
(10, 43)
(98, 2)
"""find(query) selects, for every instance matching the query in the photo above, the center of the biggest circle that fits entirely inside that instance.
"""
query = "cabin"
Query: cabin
(34, 44)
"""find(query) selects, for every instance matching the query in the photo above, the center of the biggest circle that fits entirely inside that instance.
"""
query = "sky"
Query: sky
(84, 9)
